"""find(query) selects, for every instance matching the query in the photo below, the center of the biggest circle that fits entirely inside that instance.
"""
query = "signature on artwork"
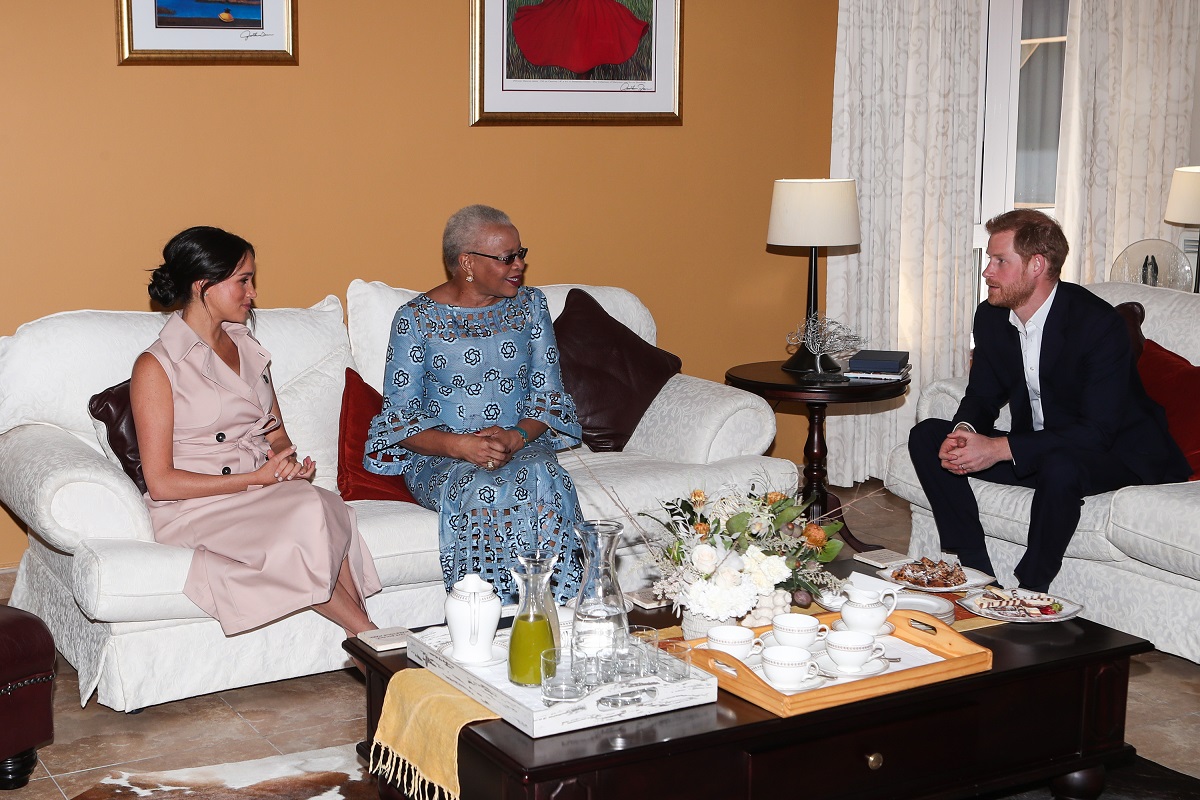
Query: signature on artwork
(635, 87)
(255, 34)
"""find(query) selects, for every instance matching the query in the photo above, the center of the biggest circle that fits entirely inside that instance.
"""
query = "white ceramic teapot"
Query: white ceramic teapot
(866, 609)
(472, 614)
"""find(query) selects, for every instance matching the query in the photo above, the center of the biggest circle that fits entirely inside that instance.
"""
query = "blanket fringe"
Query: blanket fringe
(396, 769)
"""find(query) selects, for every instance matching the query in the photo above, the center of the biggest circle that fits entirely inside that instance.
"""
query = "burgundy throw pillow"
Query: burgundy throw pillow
(111, 408)
(612, 373)
(1174, 383)
(360, 403)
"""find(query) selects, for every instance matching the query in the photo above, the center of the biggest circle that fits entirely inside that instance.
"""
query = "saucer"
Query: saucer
(830, 602)
(753, 661)
(803, 686)
(873, 667)
(768, 640)
(887, 630)
(499, 656)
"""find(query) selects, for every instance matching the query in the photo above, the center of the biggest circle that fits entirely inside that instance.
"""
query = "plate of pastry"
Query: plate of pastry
(1020, 605)
(928, 575)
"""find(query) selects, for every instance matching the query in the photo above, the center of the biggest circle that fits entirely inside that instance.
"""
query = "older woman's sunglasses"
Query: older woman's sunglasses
(505, 260)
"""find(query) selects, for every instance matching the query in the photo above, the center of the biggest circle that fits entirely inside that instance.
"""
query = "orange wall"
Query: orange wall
(348, 165)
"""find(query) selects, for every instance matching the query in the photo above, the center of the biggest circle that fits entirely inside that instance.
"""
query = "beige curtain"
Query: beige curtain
(905, 114)
(1126, 125)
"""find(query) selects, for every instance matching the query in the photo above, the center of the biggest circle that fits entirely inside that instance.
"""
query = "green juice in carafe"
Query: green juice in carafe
(530, 636)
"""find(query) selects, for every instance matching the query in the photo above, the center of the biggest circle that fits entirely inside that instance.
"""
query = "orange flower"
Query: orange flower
(702, 528)
(698, 498)
(775, 497)
(815, 535)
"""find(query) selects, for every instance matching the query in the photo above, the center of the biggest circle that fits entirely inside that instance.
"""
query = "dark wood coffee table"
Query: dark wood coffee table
(1052, 707)
(768, 380)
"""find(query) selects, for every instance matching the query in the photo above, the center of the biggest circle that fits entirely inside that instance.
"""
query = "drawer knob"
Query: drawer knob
(875, 760)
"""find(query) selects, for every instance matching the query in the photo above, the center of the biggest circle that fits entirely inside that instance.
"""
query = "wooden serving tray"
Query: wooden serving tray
(962, 657)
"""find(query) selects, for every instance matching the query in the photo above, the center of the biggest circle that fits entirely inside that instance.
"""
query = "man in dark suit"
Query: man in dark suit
(1060, 358)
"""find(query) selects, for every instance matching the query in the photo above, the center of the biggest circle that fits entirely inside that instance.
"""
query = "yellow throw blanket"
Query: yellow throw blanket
(416, 743)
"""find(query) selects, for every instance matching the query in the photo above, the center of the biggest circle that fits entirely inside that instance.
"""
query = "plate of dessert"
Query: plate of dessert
(1020, 605)
(928, 575)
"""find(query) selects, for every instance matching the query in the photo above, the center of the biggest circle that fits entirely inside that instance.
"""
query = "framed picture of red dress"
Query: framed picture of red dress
(576, 61)
(206, 32)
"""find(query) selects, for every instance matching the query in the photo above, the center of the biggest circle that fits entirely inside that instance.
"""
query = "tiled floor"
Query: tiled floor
(326, 710)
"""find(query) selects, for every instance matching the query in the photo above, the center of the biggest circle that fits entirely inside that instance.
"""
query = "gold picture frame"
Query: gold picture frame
(507, 88)
(206, 32)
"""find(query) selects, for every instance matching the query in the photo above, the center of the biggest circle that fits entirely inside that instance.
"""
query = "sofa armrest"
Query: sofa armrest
(65, 491)
(697, 421)
(940, 399)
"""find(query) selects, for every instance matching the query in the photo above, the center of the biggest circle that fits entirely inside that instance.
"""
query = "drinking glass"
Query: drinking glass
(563, 675)
(674, 661)
(645, 639)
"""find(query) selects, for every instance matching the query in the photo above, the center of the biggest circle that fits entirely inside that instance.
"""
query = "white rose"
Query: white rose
(728, 578)
(705, 559)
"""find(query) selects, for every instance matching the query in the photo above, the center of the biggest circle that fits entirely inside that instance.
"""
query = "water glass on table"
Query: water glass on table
(674, 661)
(564, 675)
(644, 639)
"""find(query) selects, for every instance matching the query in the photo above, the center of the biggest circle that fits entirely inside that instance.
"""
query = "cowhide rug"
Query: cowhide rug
(331, 773)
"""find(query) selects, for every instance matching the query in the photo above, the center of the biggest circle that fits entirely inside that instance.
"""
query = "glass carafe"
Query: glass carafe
(600, 607)
(535, 627)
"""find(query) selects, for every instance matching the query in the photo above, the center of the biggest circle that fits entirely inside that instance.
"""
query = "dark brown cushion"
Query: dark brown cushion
(612, 373)
(111, 407)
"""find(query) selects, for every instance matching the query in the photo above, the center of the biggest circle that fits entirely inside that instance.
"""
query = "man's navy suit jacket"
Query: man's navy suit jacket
(1092, 398)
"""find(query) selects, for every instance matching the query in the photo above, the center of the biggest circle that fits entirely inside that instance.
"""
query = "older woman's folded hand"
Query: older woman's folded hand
(484, 450)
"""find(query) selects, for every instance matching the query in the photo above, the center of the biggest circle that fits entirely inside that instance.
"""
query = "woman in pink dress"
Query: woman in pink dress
(223, 477)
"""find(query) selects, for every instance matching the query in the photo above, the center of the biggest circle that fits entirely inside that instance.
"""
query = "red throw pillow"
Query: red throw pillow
(360, 403)
(1174, 384)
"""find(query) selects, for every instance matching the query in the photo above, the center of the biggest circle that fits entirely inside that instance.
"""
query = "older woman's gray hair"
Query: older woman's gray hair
(462, 230)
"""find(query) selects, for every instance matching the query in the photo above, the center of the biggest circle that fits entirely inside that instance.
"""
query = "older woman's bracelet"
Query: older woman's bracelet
(524, 435)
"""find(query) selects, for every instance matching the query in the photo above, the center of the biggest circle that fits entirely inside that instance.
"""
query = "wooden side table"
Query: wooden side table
(768, 380)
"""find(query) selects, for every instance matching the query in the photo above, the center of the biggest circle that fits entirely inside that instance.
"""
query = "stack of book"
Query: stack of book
(879, 365)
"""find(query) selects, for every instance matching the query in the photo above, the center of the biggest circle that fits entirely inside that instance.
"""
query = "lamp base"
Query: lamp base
(804, 362)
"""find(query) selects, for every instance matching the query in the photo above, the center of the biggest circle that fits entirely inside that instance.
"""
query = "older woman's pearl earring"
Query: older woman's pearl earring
(470, 279)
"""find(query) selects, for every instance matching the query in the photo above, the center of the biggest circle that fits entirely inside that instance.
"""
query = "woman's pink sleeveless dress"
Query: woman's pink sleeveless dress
(266, 552)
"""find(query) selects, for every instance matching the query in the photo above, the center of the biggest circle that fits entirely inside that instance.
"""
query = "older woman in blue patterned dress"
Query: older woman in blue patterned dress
(474, 409)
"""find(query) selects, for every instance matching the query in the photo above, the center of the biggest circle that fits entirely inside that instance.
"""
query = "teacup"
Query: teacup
(797, 630)
(850, 650)
(788, 667)
(739, 642)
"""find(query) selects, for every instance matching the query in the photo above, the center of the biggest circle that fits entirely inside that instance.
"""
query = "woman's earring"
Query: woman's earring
(470, 278)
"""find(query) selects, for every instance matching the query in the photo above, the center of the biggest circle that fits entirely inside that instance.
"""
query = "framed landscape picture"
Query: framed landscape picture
(206, 32)
(576, 61)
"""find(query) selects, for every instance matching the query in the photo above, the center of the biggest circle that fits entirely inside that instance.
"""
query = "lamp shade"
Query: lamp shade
(814, 213)
(1183, 203)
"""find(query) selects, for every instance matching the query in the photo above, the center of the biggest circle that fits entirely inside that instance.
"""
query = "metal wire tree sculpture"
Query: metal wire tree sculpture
(824, 336)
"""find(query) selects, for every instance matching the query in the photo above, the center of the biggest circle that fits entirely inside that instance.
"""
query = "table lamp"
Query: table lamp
(1183, 206)
(812, 213)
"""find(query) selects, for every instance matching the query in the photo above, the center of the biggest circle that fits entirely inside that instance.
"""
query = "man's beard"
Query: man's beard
(1012, 297)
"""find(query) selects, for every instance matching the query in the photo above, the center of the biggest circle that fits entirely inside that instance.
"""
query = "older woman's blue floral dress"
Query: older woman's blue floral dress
(462, 370)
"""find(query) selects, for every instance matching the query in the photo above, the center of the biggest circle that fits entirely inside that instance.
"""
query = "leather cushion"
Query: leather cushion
(111, 408)
(612, 373)
(1174, 384)
(360, 403)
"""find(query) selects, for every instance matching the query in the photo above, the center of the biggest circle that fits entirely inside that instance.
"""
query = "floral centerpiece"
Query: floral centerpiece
(727, 555)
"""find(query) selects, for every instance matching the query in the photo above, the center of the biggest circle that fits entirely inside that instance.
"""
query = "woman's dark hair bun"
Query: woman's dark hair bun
(205, 254)
(162, 287)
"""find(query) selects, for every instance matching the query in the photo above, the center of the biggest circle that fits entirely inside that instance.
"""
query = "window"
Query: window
(1021, 85)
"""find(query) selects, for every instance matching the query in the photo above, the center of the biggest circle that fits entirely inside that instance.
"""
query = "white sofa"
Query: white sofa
(1134, 561)
(113, 596)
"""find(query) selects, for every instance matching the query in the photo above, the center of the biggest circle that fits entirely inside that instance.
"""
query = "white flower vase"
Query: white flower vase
(695, 626)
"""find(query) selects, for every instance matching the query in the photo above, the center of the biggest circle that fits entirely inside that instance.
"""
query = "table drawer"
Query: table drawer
(891, 755)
